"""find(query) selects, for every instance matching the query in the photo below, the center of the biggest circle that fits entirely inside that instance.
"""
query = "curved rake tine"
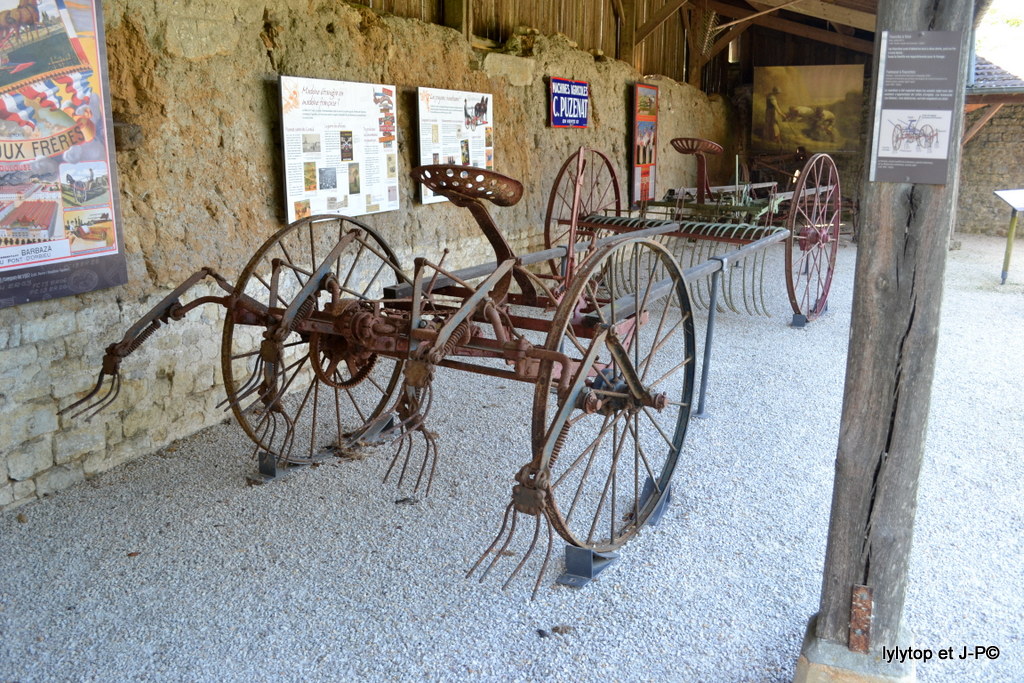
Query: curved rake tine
(490, 548)
(100, 404)
(88, 397)
(760, 284)
(250, 385)
(526, 555)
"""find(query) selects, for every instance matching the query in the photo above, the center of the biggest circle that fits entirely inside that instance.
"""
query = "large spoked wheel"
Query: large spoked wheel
(609, 434)
(897, 137)
(598, 195)
(928, 136)
(813, 223)
(297, 389)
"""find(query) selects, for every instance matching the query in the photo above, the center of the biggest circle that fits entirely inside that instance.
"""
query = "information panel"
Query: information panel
(340, 150)
(60, 232)
(645, 142)
(917, 83)
(456, 127)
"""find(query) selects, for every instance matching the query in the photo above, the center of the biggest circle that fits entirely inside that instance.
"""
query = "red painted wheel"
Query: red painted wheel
(598, 195)
(813, 223)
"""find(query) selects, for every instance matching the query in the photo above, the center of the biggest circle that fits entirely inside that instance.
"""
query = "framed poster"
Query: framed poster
(570, 103)
(456, 127)
(340, 150)
(817, 107)
(60, 231)
(645, 142)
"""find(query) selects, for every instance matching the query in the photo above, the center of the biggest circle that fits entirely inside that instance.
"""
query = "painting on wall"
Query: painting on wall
(815, 107)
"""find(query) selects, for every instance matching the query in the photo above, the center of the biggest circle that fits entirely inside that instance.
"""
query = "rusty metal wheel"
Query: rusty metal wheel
(298, 390)
(592, 172)
(814, 217)
(609, 435)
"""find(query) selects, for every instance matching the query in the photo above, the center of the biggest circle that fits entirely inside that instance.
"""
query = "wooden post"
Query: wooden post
(627, 33)
(897, 294)
(458, 14)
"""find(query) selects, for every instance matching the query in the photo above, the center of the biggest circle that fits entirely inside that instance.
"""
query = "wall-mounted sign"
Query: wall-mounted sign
(456, 127)
(815, 107)
(60, 232)
(570, 103)
(645, 142)
(340, 150)
(917, 81)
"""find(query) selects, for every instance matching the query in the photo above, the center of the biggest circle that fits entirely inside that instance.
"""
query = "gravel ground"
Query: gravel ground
(171, 568)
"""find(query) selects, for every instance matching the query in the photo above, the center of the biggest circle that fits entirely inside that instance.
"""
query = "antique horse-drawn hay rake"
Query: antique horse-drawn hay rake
(329, 346)
(714, 220)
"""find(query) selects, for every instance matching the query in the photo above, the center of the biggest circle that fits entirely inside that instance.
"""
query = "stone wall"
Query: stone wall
(992, 160)
(199, 78)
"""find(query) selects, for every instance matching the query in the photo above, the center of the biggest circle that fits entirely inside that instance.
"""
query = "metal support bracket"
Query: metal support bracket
(268, 471)
(659, 510)
(861, 603)
(582, 565)
(799, 320)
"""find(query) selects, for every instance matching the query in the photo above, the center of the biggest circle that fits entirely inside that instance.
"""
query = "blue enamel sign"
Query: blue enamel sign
(570, 103)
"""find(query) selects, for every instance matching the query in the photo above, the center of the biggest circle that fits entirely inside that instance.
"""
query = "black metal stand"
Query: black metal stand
(582, 565)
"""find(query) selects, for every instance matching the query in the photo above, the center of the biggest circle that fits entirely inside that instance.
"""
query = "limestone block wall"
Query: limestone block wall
(199, 79)
(992, 160)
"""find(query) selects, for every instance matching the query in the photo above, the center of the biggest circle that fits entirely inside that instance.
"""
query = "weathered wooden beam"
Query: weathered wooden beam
(659, 18)
(458, 14)
(618, 10)
(995, 98)
(980, 123)
(627, 32)
(904, 239)
(802, 30)
(762, 11)
(723, 42)
(693, 51)
(829, 11)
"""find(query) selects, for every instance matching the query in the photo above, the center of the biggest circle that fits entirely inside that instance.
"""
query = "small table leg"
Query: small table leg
(1009, 245)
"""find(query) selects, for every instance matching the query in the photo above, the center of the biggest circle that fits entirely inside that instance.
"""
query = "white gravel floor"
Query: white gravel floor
(172, 569)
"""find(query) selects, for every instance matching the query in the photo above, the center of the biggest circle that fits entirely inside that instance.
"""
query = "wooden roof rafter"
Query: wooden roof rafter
(836, 13)
(792, 27)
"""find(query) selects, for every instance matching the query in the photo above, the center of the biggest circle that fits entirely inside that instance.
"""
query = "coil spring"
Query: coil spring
(559, 443)
(458, 336)
(142, 337)
(304, 310)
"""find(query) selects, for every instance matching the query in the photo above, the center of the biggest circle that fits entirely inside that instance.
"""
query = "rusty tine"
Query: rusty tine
(498, 555)
(501, 532)
(84, 399)
(526, 555)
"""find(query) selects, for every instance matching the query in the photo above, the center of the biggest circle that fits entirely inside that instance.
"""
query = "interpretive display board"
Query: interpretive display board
(60, 232)
(645, 142)
(456, 127)
(570, 103)
(340, 149)
(917, 81)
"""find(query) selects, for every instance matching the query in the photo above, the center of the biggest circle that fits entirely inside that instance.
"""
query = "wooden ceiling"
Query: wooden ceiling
(846, 23)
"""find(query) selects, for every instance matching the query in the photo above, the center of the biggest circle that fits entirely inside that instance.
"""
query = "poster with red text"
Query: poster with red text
(59, 220)
(645, 142)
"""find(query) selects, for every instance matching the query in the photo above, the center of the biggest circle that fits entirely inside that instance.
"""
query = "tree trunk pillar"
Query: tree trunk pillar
(901, 257)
